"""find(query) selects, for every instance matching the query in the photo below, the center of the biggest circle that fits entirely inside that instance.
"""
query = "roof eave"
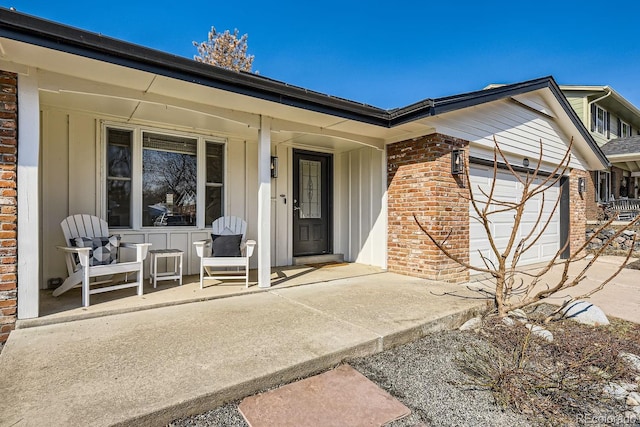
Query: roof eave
(25, 28)
(40, 32)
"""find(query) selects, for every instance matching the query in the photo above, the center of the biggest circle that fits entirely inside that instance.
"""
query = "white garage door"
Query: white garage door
(509, 188)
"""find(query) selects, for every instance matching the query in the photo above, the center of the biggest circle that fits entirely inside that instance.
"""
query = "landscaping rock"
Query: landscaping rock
(471, 324)
(629, 386)
(631, 360)
(615, 390)
(586, 313)
(599, 372)
(540, 332)
(633, 398)
(519, 315)
(508, 321)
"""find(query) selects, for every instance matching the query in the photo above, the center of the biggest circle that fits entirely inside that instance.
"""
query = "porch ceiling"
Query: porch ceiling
(79, 83)
(629, 162)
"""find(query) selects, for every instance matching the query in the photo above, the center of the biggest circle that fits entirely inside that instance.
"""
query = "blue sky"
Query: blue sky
(388, 54)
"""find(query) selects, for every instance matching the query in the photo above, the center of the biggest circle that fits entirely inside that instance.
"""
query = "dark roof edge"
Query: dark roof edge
(455, 102)
(33, 30)
(432, 107)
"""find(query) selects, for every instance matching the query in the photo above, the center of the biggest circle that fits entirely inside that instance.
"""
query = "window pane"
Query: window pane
(169, 171)
(119, 209)
(310, 179)
(213, 207)
(215, 162)
(600, 121)
(119, 177)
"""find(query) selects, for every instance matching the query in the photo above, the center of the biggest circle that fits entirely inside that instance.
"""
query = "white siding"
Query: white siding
(281, 216)
(360, 222)
(55, 191)
(71, 184)
(517, 129)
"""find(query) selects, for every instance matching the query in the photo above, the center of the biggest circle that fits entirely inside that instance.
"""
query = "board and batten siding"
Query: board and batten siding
(517, 129)
(360, 211)
(72, 183)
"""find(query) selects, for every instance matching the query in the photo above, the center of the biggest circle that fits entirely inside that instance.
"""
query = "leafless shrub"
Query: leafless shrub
(513, 286)
(552, 383)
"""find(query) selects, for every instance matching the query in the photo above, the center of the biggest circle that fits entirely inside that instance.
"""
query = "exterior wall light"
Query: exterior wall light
(581, 185)
(457, 162)
(274, 167)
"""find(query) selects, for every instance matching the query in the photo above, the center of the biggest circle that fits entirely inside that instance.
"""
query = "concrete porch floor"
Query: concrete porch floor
(147, 367)
(68, 306)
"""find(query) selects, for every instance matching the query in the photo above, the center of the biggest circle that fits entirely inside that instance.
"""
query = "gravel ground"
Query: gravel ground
(423, 376)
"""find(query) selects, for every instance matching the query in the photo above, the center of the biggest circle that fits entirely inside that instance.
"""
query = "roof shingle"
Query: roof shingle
(627, 145)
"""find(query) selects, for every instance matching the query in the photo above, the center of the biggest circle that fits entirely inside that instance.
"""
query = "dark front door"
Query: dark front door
(312, 201)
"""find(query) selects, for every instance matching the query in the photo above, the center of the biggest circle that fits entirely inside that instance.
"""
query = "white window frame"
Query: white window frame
(601, 126)
(624, 125)
(136, 171)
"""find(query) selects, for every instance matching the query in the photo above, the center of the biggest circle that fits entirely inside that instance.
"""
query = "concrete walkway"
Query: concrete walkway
(149, 367)
(620, 298)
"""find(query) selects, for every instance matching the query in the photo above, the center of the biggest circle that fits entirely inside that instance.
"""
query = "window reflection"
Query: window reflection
(119, 177)
(169, 180)
(214, 207)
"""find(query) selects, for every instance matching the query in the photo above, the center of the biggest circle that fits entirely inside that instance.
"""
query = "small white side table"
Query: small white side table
(176, 274)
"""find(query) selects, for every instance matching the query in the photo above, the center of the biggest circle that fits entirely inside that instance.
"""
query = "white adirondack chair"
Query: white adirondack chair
(78, 262)
(224, 226)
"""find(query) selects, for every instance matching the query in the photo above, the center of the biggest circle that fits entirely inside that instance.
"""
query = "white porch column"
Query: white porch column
(28, 192)
(264, 203)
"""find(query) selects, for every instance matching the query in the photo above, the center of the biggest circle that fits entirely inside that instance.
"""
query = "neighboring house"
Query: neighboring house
(101, 125)
(614, 123)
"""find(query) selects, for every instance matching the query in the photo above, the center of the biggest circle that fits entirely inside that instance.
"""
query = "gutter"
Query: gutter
(52, 35)
(596, 100)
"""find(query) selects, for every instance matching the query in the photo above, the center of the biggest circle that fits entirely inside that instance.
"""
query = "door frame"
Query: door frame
(329, 193)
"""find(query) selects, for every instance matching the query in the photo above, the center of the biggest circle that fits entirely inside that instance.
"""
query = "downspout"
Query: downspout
(593, 102)
(591, 120)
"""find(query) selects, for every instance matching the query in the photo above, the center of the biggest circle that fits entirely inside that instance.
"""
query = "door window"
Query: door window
(310, 189)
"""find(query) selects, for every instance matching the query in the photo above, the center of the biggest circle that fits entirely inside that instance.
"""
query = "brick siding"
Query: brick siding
(591, 206)
(578, 208)
(420, 182)
(8, 203)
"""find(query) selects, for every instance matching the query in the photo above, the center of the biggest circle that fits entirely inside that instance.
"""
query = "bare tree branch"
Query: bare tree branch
(514, 287)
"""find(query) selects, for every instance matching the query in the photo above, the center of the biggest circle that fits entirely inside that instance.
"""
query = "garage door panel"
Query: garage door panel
(549, 250)
(508, 188)
(503, 232)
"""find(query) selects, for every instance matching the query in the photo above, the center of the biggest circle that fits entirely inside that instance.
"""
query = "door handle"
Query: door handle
(295, 205)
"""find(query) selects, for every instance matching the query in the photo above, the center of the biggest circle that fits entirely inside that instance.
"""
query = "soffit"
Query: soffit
(77, 82)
